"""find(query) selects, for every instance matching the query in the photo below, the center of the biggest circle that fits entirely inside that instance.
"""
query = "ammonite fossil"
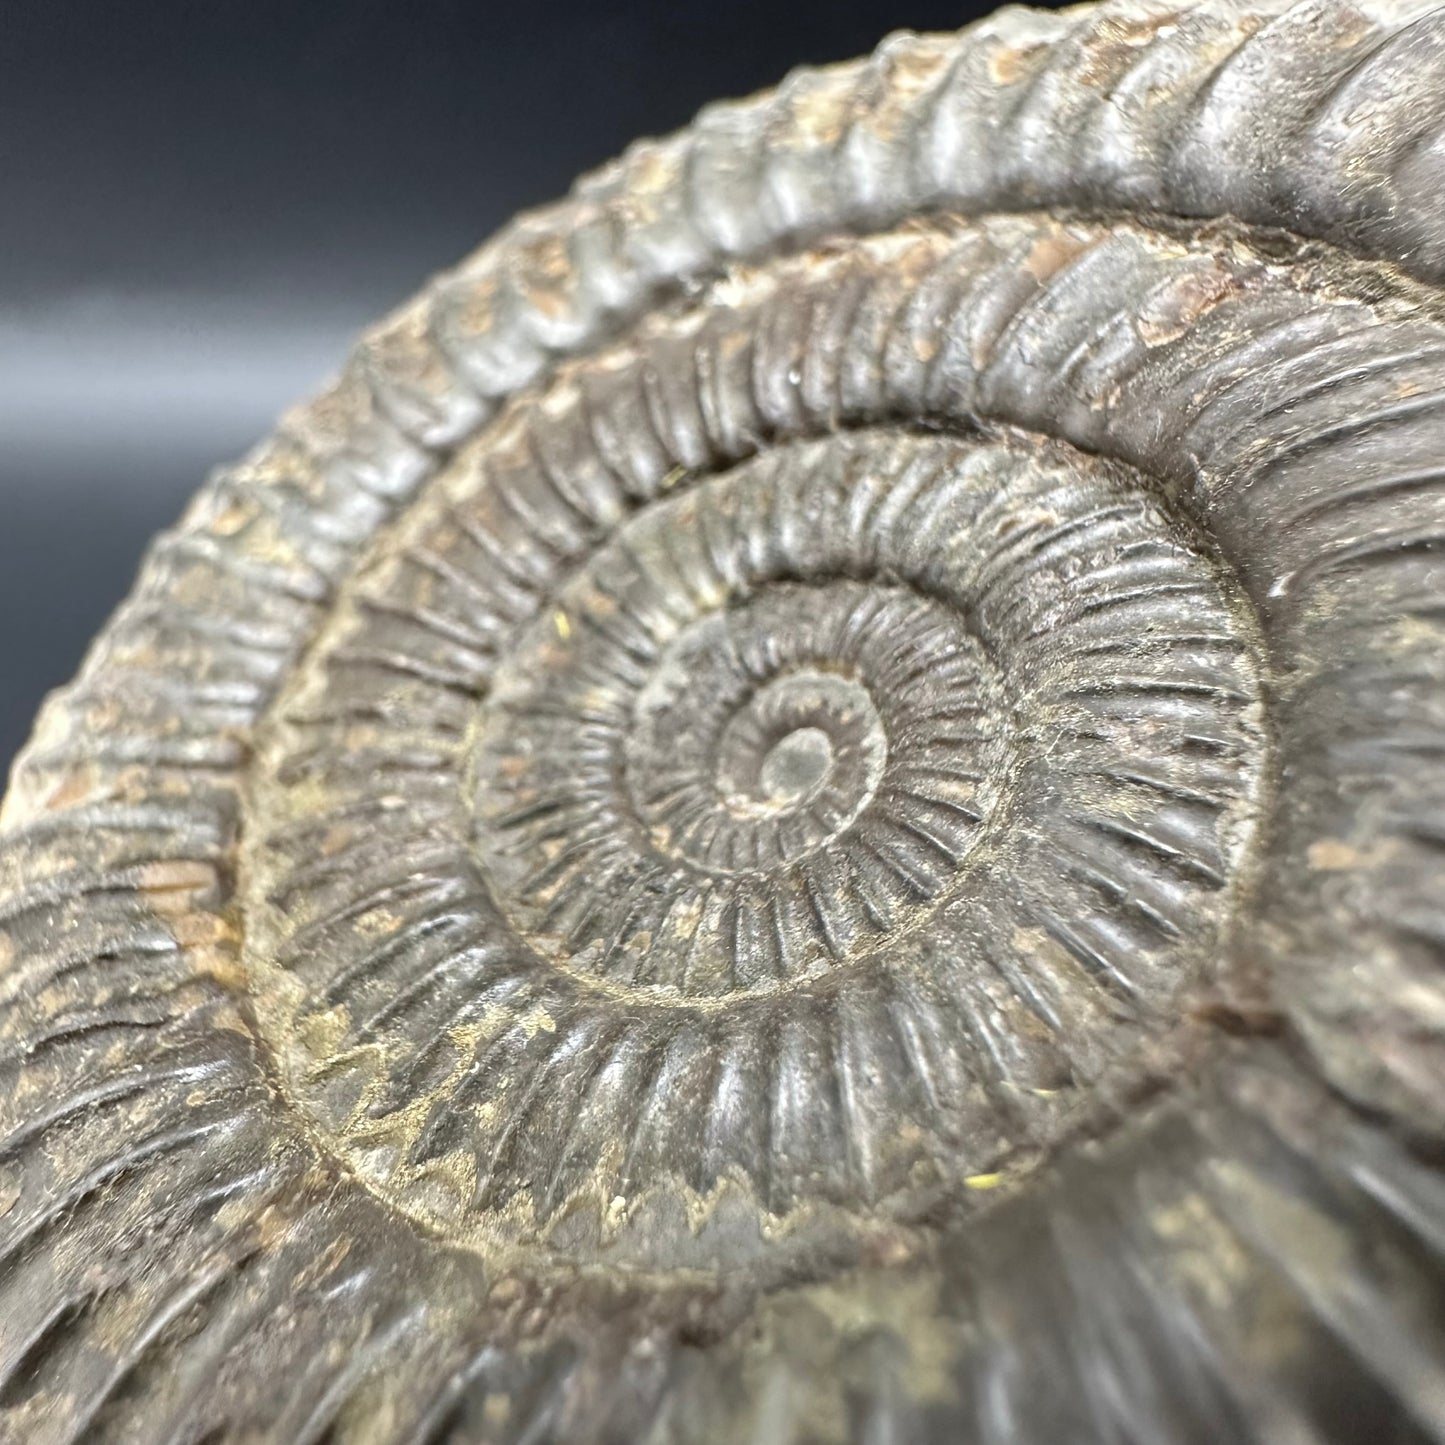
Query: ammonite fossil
(808, 806)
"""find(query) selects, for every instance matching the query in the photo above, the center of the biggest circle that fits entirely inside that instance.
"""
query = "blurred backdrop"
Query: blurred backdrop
(202, 201)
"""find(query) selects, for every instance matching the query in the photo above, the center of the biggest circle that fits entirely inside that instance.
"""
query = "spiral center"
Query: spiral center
(711, 799)
(795, 766)
(806, 747)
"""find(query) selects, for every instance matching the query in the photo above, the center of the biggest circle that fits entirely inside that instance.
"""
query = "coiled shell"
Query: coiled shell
(808, 806)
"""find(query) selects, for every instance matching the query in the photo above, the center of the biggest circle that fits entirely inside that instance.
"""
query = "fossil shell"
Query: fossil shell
(808, 806)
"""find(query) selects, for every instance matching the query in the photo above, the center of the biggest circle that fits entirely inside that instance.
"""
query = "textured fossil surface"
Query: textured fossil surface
(808, 807)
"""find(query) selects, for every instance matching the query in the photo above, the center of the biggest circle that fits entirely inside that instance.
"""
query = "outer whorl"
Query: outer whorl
(808, 806)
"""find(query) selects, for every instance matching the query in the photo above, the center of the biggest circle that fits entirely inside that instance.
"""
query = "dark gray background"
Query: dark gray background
(202, 201)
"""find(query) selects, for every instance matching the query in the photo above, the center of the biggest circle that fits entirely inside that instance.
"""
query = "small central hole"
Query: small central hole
(796, 765)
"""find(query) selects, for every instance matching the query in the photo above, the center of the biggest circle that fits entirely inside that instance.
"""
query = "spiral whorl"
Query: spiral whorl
(807, 806)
